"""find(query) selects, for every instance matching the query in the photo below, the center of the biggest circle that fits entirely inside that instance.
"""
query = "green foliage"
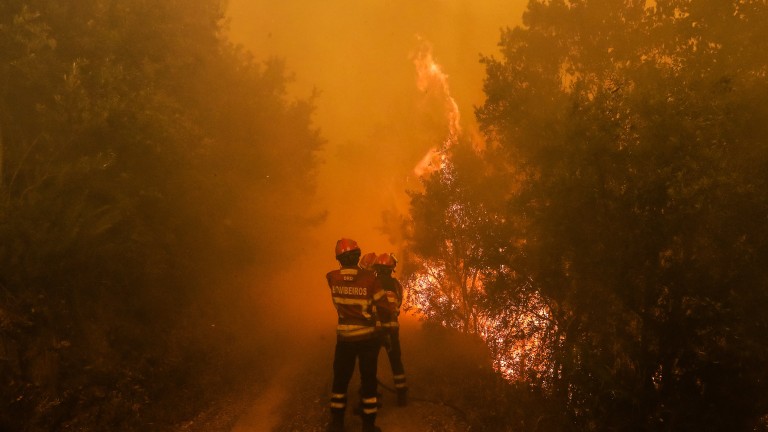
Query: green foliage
(143, 161)
(626, 143)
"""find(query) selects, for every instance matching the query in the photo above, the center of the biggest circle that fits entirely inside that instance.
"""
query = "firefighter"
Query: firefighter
(384, 267)
(367, 260)
(357, 296)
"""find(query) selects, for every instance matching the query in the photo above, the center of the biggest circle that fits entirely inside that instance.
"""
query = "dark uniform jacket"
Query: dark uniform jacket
(359, 299)
(394, 291)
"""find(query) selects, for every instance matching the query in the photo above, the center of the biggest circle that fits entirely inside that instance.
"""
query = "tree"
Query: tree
(445, 243)
(631, 201)
(627, 143)
(132, 135)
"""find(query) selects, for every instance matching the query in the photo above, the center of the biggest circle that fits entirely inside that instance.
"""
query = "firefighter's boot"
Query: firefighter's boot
(337, 422)
(369, 426)
(402, 397)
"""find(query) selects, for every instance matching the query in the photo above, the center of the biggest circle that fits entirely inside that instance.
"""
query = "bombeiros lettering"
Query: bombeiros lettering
(350, 290)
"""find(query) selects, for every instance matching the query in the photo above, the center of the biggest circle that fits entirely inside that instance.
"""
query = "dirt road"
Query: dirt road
(296, 398)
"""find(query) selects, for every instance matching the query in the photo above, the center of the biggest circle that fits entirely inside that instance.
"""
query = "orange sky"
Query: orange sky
(377, 123)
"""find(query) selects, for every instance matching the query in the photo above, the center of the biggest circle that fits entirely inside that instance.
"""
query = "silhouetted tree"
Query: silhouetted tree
(145, 163)
(627, 143)
(445, 243)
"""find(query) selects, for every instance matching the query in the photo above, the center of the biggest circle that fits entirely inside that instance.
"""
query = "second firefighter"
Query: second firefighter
(384, 266)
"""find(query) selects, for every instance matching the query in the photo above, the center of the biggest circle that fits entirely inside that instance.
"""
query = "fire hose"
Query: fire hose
(387, 344)
(458, 410)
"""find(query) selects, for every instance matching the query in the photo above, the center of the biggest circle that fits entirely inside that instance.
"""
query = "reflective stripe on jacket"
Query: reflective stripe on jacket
(357, 297)
(394, 291)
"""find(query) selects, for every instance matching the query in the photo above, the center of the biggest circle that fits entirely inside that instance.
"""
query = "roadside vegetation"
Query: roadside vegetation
(147, 168)
(607, 238)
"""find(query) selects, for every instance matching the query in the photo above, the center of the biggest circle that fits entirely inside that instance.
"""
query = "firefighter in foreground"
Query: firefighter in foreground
(384, 266)
(357, 296)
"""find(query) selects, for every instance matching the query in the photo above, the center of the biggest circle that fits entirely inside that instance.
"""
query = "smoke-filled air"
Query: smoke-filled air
(385, 215)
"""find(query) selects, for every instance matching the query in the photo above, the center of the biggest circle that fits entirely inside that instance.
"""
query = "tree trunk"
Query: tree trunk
(2, 154)
(3, 89)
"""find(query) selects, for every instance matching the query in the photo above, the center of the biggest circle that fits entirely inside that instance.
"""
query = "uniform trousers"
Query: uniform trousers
(345, 356)
(395, 354)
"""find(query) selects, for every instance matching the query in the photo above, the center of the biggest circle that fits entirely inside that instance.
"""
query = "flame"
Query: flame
(431, 160)
(430, 78)
(517, 337)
